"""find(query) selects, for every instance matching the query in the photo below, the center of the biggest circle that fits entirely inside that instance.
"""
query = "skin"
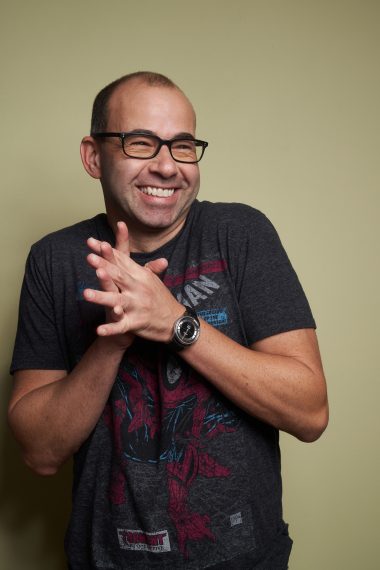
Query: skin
(151, 220)
(278, 380)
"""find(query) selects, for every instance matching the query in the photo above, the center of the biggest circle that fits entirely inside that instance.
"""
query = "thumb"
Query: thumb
(157, 266)
(122, 237)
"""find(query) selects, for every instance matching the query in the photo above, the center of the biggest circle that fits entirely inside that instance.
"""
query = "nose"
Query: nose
(163, 163)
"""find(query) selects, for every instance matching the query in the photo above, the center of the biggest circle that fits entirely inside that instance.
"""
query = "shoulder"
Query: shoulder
(236, 217)
(65, 239)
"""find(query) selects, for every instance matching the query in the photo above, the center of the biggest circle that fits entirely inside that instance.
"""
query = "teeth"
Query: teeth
(160, 192)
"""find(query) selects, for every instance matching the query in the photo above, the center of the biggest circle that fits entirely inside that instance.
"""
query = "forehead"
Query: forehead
(165, 111)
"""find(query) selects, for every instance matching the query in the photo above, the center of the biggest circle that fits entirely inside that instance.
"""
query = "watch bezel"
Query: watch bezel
(181, 337)
(179, 341)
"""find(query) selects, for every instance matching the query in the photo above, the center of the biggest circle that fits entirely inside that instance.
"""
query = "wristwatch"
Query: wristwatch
(185, 330)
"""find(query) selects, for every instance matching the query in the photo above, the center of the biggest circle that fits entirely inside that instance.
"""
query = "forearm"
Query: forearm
(281, 382)
(281, 390)
(53, 420)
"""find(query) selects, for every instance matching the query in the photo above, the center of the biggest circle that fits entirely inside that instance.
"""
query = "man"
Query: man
(168, 362)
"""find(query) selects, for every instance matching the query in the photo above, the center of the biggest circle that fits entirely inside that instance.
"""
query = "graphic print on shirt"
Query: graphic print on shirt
(163, 411)
(199, 285)
(190, 416)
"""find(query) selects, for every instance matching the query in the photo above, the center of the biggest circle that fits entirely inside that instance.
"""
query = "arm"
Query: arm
(278, 380)
(51, 412)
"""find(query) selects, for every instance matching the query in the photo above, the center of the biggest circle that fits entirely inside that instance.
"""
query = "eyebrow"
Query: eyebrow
(182, 135)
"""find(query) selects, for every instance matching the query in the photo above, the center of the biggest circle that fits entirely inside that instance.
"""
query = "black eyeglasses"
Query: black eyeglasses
(144, 146)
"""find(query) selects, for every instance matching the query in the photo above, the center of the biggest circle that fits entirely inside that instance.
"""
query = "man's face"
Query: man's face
(164, 112)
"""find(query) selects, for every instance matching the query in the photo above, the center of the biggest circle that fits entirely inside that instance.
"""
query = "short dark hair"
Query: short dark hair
(100, 107)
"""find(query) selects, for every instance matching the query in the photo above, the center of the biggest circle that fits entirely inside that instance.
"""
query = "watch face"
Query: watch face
(187, 330)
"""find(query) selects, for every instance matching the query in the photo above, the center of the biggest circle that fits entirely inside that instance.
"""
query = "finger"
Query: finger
(105, 282)
(94, 260)
(106, 252)
(94, 244)
(102, 249)
(98, 262)
(105, 298)
(157, 266)
(112, 272)
(109, 329)
(117, 313)
(122, 238)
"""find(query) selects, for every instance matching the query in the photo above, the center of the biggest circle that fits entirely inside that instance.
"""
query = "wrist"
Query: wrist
(186, 330)
(115, 344)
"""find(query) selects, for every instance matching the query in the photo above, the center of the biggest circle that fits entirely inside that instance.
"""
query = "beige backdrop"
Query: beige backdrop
(287, 94)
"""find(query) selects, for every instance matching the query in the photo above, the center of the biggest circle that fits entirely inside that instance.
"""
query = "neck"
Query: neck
(146, 240)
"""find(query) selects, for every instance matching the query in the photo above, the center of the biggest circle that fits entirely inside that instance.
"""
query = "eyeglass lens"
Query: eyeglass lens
(145, 146)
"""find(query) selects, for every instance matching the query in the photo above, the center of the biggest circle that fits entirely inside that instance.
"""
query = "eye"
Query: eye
(138, 140)
(185, 145)
(140, 146)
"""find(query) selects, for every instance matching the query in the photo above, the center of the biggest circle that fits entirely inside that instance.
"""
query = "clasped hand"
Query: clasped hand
(136, 300)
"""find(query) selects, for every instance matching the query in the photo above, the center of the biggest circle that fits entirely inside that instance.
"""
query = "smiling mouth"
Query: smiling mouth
(160, 192)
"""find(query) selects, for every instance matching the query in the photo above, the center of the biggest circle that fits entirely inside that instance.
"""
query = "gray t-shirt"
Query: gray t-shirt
(174, 475)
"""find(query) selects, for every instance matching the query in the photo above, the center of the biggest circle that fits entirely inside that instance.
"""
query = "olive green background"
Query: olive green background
(287, 94)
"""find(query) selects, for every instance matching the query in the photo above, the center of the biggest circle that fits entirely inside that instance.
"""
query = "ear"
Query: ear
(89, 153)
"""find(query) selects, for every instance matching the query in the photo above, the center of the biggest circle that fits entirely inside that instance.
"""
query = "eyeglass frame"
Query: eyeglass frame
(161, 142)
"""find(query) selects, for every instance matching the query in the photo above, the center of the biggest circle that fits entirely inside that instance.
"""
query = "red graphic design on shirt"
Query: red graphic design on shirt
(189, 417)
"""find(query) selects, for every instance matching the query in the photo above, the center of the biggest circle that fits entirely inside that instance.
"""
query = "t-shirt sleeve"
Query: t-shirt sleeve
(270, 295)
(37, 344)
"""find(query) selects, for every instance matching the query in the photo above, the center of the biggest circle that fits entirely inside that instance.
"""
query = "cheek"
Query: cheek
(191, 174)
(196, 182)
(120, 174)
